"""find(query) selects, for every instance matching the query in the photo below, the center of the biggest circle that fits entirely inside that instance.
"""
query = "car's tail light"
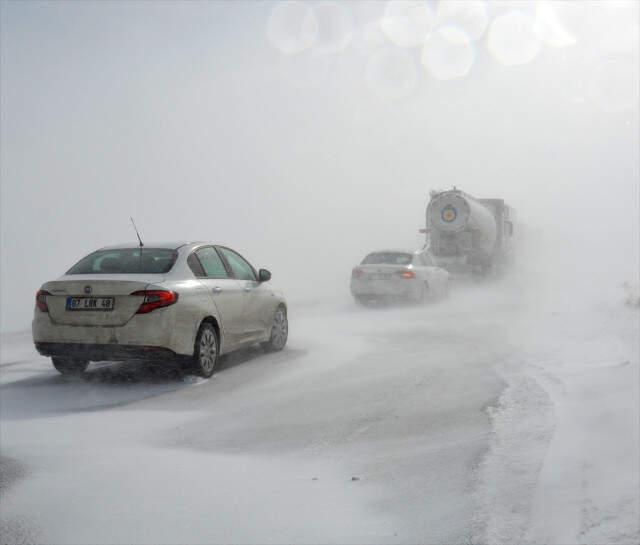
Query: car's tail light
(357, 273)
(154, 299)
(406, 274)
(41, 300)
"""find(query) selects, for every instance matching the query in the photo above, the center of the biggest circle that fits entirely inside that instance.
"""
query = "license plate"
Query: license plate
(90, 303)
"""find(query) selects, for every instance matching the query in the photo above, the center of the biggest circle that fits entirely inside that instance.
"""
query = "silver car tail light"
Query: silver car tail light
(154, 299)
(41, 300)
(405, 273)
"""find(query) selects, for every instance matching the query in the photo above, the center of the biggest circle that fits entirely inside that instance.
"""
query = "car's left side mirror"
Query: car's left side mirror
(264, 275)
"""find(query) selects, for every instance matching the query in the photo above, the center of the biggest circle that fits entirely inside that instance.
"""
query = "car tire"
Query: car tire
(69, 366)
(279, 331)
(205, 353)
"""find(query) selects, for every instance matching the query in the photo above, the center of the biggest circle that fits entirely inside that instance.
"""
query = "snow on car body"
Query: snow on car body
(398, 275)
(171, 300)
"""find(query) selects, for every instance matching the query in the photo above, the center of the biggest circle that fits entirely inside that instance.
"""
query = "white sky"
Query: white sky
(306, 143)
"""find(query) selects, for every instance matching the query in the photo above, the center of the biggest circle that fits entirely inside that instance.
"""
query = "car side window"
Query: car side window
(240, 267)
(195, 266)
(211, 263)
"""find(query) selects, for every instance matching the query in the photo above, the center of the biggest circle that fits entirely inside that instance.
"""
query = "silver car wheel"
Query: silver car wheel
(280, 330)
(208, 350)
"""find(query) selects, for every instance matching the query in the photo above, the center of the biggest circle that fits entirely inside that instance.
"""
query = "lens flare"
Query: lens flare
(468, 15)
(549, 28)
(512, 39)
(292, 27)
(407, 23)
(334, 26)
(448, 53)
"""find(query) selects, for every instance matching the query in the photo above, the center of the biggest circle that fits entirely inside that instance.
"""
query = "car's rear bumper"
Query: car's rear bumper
(158, 329)
(103, 352)
(403, 289)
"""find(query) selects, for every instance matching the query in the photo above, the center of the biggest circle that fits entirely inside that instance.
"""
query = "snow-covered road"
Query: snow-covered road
(482, 418)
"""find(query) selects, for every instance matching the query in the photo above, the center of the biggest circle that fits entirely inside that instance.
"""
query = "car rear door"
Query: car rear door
(225, 292)
(259, 303)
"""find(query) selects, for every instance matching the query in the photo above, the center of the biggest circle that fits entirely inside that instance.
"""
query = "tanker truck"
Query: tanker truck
(469, 235)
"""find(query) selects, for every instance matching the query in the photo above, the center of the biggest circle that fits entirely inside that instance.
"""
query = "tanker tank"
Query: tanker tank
(465, 232)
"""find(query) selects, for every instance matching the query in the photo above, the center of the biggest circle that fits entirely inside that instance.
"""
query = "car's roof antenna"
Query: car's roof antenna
(136, 229)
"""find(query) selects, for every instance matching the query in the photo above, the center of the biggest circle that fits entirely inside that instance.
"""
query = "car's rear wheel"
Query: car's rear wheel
(205, 354)
(69, 366)
(279, 331)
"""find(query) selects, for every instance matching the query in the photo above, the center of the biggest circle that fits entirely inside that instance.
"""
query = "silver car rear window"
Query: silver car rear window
(387, 258)
(126, 261)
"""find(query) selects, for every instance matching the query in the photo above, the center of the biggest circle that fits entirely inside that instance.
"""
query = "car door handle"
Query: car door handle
(247, 288)
(216, 289)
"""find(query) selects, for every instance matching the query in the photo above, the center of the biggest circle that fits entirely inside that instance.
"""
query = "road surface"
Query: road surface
(430, 424)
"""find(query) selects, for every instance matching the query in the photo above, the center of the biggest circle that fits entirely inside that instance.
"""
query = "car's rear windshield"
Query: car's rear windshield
(126, 261)
(387, 258)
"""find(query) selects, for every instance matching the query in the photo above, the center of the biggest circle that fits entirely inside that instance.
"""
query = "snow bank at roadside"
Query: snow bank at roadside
(522, 426)
(588, 490)
(563, 465)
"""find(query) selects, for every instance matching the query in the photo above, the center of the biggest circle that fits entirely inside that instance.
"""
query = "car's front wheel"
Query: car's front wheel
(279, 331)
(69, 366)
(206, 351)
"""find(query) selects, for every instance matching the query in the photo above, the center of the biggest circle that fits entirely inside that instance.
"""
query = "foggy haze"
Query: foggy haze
(189, 118)
(306, 135)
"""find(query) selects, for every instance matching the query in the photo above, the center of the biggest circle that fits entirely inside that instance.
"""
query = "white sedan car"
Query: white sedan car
(398, 275)
(189, 301)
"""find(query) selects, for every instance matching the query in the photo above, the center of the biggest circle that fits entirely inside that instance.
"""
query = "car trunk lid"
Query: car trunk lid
(96, 300)
(380, 271)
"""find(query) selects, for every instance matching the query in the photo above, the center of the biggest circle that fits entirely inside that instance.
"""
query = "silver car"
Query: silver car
(398, 275)
(186, 300)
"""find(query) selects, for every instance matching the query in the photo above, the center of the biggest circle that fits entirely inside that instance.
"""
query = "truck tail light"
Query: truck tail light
(406, 274)
(154, 299)
(41, 300)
